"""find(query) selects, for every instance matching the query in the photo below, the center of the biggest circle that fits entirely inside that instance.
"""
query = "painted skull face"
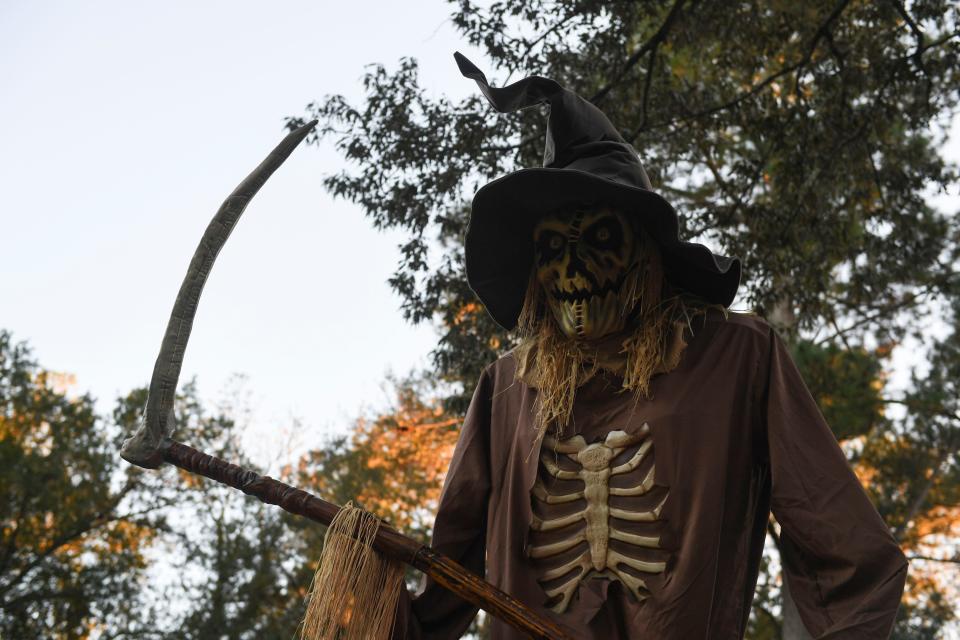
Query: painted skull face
(584, 259)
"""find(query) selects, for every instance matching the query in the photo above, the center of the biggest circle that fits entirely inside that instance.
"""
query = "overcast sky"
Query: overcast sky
(123, 127)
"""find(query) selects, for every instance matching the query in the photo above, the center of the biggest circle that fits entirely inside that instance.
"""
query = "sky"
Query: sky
(125, 125)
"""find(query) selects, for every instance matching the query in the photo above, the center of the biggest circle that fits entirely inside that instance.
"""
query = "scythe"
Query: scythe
(152, 445)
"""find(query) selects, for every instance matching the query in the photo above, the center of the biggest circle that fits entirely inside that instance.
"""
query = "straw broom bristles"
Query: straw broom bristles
(355, 589)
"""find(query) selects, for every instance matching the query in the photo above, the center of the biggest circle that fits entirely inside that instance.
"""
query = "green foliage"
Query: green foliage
(252, 579)
(240, 570)
(94, 547)
(805, 149)
(85, 536)
(71, 545)
(801, 136)
(392, 464)
(846, 384)
(917, 466)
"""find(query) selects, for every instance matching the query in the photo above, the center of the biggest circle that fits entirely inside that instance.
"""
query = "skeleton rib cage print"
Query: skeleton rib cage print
(595, 514)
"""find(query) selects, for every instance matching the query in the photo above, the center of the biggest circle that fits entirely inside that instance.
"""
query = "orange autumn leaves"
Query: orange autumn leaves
(411, 449)
(392, 463)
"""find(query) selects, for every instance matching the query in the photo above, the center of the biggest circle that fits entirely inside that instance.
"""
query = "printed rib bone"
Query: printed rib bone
(547, 550)
(638, 516)
(634, 461)
(639, 490)
(639, 565)
(541, 493)
(555, 523)
(595, 471)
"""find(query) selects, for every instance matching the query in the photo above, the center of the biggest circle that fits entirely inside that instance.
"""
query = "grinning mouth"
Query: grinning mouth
(582, 295)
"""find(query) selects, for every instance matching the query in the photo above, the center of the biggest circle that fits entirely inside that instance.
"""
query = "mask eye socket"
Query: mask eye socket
(550, 246)
(605, 234)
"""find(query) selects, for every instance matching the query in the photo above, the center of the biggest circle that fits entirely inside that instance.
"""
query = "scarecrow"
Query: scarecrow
(616, 470)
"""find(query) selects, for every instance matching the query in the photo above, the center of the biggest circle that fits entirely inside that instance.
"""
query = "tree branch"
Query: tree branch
(917, 33)
(10, 551)
(648, 81)
(648, 46)
(821, 33)
(883, 310)
(44, 595)
(93, 522)
(921, 496)
(953, 560)
(543, 36)
(921, 407)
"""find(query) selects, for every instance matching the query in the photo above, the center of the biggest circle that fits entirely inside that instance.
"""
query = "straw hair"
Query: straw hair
(557, 365)
(355, 590)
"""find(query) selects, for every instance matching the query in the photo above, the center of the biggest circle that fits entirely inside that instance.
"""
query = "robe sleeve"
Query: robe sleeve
(844, 569)
(459, 531)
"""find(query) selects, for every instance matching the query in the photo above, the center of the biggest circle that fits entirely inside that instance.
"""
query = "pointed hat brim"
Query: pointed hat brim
(586, 163)
(499, 240)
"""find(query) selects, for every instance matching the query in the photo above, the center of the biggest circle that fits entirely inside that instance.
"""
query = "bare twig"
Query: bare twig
(917, 33)
(883, 310)
(543, 36)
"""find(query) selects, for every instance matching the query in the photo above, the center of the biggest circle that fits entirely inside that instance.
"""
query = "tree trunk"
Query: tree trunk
(783, 319)
(793, 628)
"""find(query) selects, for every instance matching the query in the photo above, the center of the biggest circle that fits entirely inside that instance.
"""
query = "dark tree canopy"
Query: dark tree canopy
(803, 137)
(800, 136)
(82, 532)
(71, 546)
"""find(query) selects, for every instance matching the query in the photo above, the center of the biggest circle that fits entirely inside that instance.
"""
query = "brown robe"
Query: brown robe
(735, 434)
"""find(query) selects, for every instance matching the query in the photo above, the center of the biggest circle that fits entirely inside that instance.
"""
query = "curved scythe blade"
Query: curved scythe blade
(145, 448)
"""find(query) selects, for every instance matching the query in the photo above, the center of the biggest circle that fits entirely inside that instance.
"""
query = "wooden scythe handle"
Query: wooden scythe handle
(389, 541)
(150, 445)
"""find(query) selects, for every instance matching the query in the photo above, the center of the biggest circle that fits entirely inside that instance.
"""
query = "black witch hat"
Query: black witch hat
(585, 162)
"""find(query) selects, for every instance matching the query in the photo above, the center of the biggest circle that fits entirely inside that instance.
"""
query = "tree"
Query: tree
(71, 540)
(240, 571)
(393, 463)
(803, 137)
(914, 478)
(84, 536)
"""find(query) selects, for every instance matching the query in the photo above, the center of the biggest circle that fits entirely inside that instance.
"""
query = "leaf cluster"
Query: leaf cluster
(801, 137)
(71, 543)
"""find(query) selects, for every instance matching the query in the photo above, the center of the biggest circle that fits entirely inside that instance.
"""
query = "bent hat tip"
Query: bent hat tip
(466, 67)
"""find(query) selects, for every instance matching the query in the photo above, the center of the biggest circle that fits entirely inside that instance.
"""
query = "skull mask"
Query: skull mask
(585, 258)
